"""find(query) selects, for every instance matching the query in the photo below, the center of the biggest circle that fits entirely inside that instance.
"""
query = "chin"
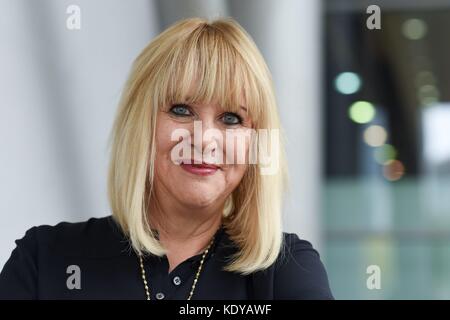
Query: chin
(197, 201)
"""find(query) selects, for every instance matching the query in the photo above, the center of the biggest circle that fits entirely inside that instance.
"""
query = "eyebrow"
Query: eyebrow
(242, 107)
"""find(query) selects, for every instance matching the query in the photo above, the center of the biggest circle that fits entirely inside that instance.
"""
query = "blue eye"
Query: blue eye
(180, 110)
(230, 118)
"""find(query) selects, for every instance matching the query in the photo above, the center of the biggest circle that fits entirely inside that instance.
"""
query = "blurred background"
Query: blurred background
(366, 113)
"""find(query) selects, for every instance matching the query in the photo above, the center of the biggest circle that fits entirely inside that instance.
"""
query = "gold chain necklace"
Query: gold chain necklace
(197, 275)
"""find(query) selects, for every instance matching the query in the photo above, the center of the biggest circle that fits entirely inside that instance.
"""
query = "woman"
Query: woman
(190, 220)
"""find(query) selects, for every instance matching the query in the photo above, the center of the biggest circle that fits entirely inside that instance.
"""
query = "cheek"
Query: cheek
(237, 150)
(163, 147)
(163, 139)
(234, 175)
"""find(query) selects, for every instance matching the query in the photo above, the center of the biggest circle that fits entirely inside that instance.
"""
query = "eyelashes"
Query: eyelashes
(180, 110)
(183, 110)
(232, 118)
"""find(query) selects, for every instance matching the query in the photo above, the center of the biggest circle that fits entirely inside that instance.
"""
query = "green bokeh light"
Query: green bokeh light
(361, 112)
(414, 29)
(385, 153)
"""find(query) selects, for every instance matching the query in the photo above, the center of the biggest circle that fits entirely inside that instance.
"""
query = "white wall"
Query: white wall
(58, 94)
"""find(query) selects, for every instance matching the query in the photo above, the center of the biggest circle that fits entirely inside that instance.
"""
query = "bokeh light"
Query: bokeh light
(424, 77)
(385, 153)
(414, 29)
(375, 136)
(347, 82)
(361, 112)
(393, 170)
(428, 94)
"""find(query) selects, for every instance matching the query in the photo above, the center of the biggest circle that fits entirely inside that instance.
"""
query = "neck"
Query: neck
(184, 232)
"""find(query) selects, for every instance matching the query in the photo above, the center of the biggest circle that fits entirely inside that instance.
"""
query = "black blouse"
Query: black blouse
(93, 260)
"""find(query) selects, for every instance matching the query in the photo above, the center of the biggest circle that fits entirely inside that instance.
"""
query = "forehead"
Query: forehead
(210, 71)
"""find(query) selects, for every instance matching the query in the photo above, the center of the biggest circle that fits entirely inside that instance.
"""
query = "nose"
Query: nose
(207, 140)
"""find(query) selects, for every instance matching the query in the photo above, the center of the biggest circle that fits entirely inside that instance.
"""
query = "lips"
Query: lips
(202, 169)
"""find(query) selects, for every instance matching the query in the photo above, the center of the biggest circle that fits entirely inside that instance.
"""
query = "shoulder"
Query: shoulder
(299, 272)
(93, 237)
(39, 254)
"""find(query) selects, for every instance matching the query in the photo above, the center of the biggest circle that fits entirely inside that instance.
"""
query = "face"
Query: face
(196, 165)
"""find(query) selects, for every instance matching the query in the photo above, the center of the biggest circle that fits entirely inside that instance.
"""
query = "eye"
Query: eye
(231, 118)
(180, 110)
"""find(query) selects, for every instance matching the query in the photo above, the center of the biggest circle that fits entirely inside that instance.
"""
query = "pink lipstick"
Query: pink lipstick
(202, 169)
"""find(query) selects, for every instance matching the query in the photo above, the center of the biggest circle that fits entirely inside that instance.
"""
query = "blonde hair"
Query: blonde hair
(224, 64)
